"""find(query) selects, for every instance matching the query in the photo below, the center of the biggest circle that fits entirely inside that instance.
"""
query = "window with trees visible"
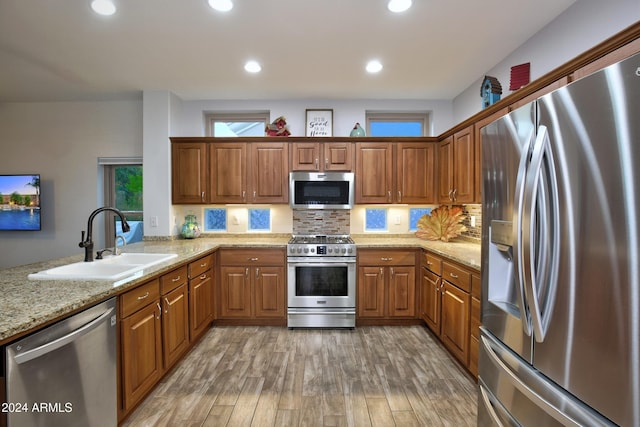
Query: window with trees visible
(123, 190)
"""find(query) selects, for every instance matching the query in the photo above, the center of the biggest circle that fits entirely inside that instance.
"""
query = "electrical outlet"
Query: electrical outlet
(473, 221)
(396, 220)
(154, 221)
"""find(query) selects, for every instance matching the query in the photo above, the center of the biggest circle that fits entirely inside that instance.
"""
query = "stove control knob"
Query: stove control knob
(344, 250)
(299, 250)
(313, 250)
(330, 250)
(306, 250)
(350, 250)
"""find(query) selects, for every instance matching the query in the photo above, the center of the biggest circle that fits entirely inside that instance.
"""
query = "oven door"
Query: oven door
(321, 282)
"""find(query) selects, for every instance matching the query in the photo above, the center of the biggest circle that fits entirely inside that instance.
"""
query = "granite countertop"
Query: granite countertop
(464, 251)
(27, 305)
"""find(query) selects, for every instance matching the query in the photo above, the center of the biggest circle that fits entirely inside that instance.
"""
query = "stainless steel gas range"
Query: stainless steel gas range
(321, 282)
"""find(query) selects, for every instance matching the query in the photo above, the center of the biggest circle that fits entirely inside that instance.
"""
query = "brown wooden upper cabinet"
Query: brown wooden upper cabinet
(230, 172)
(388, 172)
(456, 168)
(322, 156)
(189, 173)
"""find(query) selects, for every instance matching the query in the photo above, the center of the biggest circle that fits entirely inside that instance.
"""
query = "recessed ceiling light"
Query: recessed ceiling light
(374, 66)
(103, 7)
(221, 5)
(398, 6)
(252, 67)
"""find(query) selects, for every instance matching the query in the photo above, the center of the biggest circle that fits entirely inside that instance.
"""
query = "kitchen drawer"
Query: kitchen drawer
(433, 262)
(475, 318)
(172, 280)
(457, 276)
(139, 297)
(476, 285)
(245, 257)
(386, 257)
(196, 268)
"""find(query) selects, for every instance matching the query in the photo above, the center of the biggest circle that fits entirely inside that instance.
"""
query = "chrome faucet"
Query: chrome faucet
(87, 243)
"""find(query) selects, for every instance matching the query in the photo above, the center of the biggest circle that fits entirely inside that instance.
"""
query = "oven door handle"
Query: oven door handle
(306, 262)
(320, 311)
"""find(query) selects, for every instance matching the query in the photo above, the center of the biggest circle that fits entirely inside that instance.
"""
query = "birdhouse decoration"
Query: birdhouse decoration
(490, 91)
(278, 127)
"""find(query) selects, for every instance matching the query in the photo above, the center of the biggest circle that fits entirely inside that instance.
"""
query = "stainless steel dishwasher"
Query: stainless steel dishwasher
(65, 375)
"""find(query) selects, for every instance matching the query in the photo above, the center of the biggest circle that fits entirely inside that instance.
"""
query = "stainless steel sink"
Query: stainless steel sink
(110, 268)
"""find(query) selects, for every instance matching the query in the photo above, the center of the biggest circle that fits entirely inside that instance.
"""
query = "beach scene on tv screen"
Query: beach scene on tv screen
(19, 202)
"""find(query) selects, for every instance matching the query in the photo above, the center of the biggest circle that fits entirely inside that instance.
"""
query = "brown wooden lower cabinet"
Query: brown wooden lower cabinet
(201, 291)
(252, 284)
(455, 321)
(175, 324)
(141, 345)
(450, 306)
(386, 284)
(159, 321)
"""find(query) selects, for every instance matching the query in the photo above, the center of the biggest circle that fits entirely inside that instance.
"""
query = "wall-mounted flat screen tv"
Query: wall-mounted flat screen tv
(20, 202)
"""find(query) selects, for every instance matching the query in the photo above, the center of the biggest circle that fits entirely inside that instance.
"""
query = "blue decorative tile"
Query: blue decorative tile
(414, 215)
(260, 219)
(215, 219)
(375, 220)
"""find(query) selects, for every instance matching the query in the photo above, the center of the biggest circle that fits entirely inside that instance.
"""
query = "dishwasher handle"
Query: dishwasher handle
(62, 341)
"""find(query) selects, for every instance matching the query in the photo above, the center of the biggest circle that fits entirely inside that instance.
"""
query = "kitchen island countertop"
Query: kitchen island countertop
(27, 305)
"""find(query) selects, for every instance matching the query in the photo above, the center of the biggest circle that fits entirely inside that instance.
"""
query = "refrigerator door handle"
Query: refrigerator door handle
(540, 192)
(518, 261)
(506, 367)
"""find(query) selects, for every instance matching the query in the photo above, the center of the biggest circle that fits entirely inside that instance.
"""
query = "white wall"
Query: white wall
(583, 25)
(345, 113)
(62, 142)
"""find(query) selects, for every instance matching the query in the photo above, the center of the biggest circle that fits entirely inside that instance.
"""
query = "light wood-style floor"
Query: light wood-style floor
(270, 376)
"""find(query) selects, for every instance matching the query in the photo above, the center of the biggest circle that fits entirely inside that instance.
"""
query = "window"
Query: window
(123, 191)
(397, 124)
(237, 124)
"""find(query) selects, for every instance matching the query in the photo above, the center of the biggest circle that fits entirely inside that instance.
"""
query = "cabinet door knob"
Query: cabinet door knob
(399, 196)
(159, 311)
(381, 272)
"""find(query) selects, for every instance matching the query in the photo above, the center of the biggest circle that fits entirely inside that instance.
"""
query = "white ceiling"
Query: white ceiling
(53, 50)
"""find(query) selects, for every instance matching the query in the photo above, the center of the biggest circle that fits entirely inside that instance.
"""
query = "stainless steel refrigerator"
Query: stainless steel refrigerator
(560, 342)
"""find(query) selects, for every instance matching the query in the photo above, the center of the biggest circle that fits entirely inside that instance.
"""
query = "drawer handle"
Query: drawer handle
(176, 279)
(253, 259)
(453, 275)
(143, 296)
(204, 276)
(204, 264)
(386, 259)
(429, 263)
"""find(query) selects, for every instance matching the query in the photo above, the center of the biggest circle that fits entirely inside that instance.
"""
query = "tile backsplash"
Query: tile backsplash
(475, 212)
(326, 221)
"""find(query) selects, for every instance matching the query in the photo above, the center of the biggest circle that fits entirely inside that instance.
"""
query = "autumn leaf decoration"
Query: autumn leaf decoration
(443, 223)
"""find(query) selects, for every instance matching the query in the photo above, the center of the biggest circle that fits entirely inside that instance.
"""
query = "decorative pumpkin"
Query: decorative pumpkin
(443, 223)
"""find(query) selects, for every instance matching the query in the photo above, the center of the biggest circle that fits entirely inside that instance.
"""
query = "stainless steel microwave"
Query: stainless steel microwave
(321, 190)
